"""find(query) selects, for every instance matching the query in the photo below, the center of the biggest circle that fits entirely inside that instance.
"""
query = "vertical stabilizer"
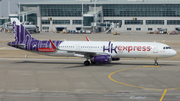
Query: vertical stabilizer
(20, 33)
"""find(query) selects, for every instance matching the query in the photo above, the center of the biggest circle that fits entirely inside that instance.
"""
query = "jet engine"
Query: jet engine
(102, 59)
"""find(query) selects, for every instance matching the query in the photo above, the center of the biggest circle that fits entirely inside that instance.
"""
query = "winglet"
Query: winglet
(54, 47)
(87, 38)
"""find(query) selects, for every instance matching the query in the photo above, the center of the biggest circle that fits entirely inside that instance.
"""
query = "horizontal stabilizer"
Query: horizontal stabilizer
(20, 45)
(17, 45)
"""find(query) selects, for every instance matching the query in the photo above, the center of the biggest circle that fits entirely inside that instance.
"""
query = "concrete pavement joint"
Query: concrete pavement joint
(46, 91)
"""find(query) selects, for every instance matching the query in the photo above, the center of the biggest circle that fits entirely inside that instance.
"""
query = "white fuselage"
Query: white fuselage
(115, 49)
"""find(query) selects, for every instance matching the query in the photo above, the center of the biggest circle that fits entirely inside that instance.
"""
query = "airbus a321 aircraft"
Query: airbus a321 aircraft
(93, 51)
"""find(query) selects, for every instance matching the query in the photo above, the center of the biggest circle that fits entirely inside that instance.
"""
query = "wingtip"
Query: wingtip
(87, 38)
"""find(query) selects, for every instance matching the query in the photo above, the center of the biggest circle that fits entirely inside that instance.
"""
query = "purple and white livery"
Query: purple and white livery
(94, 51)
(23, 40)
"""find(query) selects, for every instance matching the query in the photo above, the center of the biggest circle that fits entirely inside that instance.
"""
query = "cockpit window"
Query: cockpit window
(166, 47)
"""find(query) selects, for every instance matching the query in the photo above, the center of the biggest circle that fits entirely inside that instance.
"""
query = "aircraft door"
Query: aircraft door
(78, 47)
(155, 48)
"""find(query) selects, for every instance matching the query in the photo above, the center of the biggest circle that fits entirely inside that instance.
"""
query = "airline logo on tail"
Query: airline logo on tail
(20, 33)
(24, 40)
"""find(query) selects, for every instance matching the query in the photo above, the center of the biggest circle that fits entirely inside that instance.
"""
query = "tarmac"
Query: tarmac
(44, 78)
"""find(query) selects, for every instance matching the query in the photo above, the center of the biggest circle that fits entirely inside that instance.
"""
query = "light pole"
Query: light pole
(82, 15)
(0, 8)
(9, 7)
(19, 11)
(94, 16)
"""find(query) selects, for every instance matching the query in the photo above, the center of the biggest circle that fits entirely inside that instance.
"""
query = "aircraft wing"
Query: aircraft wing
(85, 53)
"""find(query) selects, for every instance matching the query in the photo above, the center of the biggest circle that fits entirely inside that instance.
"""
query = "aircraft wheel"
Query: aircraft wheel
(86, 63)
(156, 64)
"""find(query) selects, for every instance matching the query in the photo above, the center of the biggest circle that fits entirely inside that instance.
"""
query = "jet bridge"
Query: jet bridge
(93, 21)
(107, 26)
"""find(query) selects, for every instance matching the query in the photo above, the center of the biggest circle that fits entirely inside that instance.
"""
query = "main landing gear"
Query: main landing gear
(86, 63)
(156, 63)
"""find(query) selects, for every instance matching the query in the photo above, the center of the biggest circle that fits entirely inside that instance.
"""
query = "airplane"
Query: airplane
(93, 51)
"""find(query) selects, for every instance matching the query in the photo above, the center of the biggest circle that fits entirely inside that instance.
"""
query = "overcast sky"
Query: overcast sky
(14, 7)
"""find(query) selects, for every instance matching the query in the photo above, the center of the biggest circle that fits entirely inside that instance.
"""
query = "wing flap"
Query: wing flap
(86, 53)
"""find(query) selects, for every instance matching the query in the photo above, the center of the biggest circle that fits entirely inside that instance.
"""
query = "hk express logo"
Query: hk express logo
(112, 49)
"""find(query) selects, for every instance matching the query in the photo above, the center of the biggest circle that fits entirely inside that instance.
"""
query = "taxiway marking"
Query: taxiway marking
(3, 48)
(163, 95)
(13, 59)
(173, 88)
(151, 66)
(109, 76)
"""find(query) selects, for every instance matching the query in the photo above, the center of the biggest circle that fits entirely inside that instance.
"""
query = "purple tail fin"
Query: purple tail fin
(20, 33)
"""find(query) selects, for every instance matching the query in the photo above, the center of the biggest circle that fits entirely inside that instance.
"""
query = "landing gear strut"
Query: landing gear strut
(156, 63)
(86, 63)
(92, 62)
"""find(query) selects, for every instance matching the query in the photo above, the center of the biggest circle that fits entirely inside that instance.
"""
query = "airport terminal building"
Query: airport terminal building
(129, 15)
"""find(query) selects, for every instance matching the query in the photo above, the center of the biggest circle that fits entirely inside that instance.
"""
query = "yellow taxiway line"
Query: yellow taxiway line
(163, 95)
(3, 48)
(109, 76)
(14, 59)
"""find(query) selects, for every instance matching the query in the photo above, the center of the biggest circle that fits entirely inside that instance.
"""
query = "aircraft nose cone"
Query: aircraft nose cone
(174, 53)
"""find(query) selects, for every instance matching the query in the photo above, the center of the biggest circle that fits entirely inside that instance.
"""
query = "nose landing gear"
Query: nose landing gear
(156, 63)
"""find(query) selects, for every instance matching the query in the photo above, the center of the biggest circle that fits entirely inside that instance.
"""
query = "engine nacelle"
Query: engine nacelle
(115, 59)
(102, 59)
